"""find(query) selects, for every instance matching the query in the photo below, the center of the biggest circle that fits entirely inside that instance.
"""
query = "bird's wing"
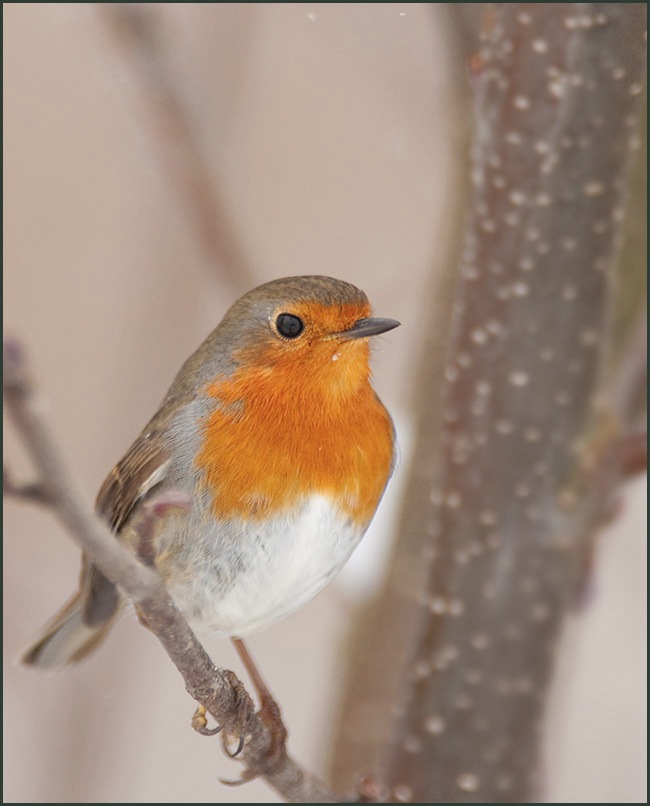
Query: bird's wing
(137, 473)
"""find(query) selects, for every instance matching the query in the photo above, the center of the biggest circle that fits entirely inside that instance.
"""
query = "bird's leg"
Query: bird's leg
(269, 709)
(256, 678)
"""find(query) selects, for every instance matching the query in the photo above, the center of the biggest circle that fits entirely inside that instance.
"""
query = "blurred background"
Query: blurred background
(335, 136)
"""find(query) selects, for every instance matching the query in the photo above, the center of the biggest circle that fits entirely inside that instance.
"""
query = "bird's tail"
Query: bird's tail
(67, 638)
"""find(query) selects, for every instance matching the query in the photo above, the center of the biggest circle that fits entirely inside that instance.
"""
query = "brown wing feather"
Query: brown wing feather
(129, 479)
(141, 468)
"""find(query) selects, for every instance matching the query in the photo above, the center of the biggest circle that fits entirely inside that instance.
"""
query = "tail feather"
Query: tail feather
(67, 638)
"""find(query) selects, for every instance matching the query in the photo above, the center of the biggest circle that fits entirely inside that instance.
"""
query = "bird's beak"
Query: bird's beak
(367, 327)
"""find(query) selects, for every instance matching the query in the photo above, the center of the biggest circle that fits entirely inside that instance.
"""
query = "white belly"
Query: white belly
(239, 578)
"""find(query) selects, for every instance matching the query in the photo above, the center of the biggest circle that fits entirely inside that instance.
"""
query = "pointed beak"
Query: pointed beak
(367, 327)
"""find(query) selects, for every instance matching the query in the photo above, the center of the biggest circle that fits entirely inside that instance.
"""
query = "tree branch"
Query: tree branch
(134, 31)
(33, 493)
(506, 515)
(219, 691)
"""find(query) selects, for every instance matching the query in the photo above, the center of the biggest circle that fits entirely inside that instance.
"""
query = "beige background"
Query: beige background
(332, 131)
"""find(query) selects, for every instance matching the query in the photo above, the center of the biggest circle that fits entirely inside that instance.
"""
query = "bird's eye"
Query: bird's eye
(289, 326)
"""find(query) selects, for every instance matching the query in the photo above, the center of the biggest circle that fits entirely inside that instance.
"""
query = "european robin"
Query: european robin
(273, 429)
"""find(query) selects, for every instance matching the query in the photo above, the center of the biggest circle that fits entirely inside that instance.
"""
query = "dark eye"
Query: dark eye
(289, 326)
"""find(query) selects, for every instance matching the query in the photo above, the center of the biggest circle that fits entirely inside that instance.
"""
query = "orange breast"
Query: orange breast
(283, 432)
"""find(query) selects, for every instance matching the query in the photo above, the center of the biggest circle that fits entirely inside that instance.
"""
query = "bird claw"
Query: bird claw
(270, 714)
(226, 749)
(245, 778)
(200, 723)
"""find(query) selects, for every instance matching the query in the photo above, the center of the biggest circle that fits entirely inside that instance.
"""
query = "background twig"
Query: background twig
(135, 30)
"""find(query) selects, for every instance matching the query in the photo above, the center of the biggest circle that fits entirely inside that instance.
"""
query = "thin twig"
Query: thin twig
(134, 31)
(34, 493)
(219, 691)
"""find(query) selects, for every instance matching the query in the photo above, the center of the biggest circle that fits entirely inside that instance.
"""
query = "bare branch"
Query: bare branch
(33, 493)
(219, 691)
(134, 31)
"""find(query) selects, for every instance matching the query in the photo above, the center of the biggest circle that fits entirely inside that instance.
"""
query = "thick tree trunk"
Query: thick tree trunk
(528, 448)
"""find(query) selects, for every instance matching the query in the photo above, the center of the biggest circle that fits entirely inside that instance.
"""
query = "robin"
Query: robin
(274, 430)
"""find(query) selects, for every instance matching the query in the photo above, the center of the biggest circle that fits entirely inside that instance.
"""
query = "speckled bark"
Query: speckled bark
(557, 99)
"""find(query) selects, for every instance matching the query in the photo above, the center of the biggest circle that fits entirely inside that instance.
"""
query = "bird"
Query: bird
(274, 431)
